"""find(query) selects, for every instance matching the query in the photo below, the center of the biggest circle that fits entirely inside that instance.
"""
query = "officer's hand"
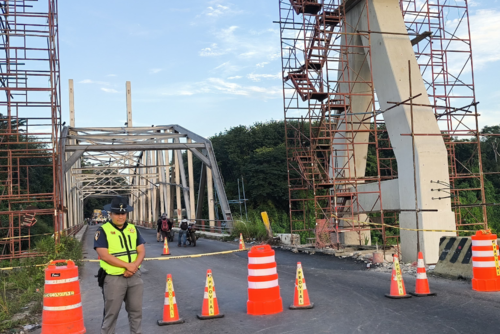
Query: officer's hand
(132, 267)
(128, 274)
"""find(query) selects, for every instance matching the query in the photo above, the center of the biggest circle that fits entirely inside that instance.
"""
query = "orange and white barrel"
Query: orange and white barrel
(263, 287)
(62, 302)
(485, 262)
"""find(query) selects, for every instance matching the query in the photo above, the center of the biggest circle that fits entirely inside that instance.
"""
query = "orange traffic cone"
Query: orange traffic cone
(62, 301)
(397, 285)
(422, 286)
(170, 312)
(242, 243)
(210, 307)
(301, 297)
(166, 251)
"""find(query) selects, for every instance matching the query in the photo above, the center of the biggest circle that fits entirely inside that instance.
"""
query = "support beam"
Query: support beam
(185, 189)
(72, 159)
(191, 182)
(71, 104)
(128, 88)
(134, 147)
(201, 191)
(210, 195)
(177, 189)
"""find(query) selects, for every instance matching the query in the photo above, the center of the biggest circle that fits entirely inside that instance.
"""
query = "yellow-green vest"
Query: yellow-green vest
(122, 244)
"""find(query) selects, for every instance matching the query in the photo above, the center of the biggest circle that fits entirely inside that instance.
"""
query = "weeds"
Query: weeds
(20, 287)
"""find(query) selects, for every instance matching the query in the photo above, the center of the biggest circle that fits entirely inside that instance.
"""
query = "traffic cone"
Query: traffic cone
(210, 307)
(397, 285)
(62, 301)
(301, 296)
(242, 243)
(166, 251)
(170, 312)
(422, 283)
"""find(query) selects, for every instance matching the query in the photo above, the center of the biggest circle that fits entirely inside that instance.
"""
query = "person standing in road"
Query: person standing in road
(121, 248)
(183, 232)
(158, 230)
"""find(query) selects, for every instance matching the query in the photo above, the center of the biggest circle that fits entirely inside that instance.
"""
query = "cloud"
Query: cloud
(262, 64)
(213, 50)
(109, 90)
(258, 77)
(216, 10)
(111, 75)
(221, 86)
(485, 30)
(235, 77)
(262, 45)
(155, 70)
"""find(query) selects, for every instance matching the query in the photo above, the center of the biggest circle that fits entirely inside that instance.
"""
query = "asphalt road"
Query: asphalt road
(348, 298)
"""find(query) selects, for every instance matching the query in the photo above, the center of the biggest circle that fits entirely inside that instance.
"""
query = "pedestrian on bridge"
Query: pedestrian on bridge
(121, 249)
(183, 232)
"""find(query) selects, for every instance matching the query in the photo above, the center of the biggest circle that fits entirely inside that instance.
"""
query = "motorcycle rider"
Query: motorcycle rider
(183, 232)
(159, 237)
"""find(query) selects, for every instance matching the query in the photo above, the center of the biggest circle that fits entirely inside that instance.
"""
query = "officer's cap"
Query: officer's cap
(119, 205)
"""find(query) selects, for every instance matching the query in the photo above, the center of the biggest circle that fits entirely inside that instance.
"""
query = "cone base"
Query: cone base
(423, 294)
(263, 308)
(397, 297)
(206, 317)
(165, 323)
(301, 307)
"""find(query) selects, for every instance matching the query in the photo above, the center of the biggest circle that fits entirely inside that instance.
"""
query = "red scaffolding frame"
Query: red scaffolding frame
(317, 48)
(30, 120)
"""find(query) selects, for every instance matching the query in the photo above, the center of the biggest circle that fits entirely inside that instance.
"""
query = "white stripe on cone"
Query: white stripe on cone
(167, 303)
(420, 263)
(206, 295)
(483, 264)
(61, 308)
(421, 276)
(62, 281)
(261, 260)
(262, 272)
(483, 253)
(304, 287)
(263, 285)
(482, 242)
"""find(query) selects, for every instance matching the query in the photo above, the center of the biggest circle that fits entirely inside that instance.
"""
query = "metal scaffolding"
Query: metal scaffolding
(329, 134)
(29, 120)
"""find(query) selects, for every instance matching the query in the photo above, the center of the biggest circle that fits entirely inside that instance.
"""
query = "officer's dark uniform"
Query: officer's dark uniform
(121, 243)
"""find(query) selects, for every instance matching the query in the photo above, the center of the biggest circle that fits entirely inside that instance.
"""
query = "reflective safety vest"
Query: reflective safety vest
(122, 244)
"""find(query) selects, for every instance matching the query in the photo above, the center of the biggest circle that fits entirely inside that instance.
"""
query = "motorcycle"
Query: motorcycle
(191, 236)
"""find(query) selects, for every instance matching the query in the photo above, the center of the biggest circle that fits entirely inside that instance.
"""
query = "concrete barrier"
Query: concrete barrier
(455, 257)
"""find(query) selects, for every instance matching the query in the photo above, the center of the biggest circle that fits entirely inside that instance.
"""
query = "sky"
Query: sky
(207, 65)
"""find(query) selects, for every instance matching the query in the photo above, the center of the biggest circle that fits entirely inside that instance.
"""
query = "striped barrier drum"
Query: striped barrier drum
(485, 263)
(263, 288)
(62, 302)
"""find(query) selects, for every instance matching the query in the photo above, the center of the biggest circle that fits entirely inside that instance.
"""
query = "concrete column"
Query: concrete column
(390, 54)
(350, 144)
(210, 195)
(191, 182)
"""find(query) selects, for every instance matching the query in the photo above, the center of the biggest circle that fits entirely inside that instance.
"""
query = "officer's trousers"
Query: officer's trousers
(116, 290)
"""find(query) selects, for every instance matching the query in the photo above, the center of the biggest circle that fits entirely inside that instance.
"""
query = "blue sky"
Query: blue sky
(207, 65)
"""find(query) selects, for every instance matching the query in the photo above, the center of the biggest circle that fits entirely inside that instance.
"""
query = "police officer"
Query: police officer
(121, 248)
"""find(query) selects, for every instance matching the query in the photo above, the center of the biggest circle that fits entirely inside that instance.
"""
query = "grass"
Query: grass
(19, 287)
(253, 227)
